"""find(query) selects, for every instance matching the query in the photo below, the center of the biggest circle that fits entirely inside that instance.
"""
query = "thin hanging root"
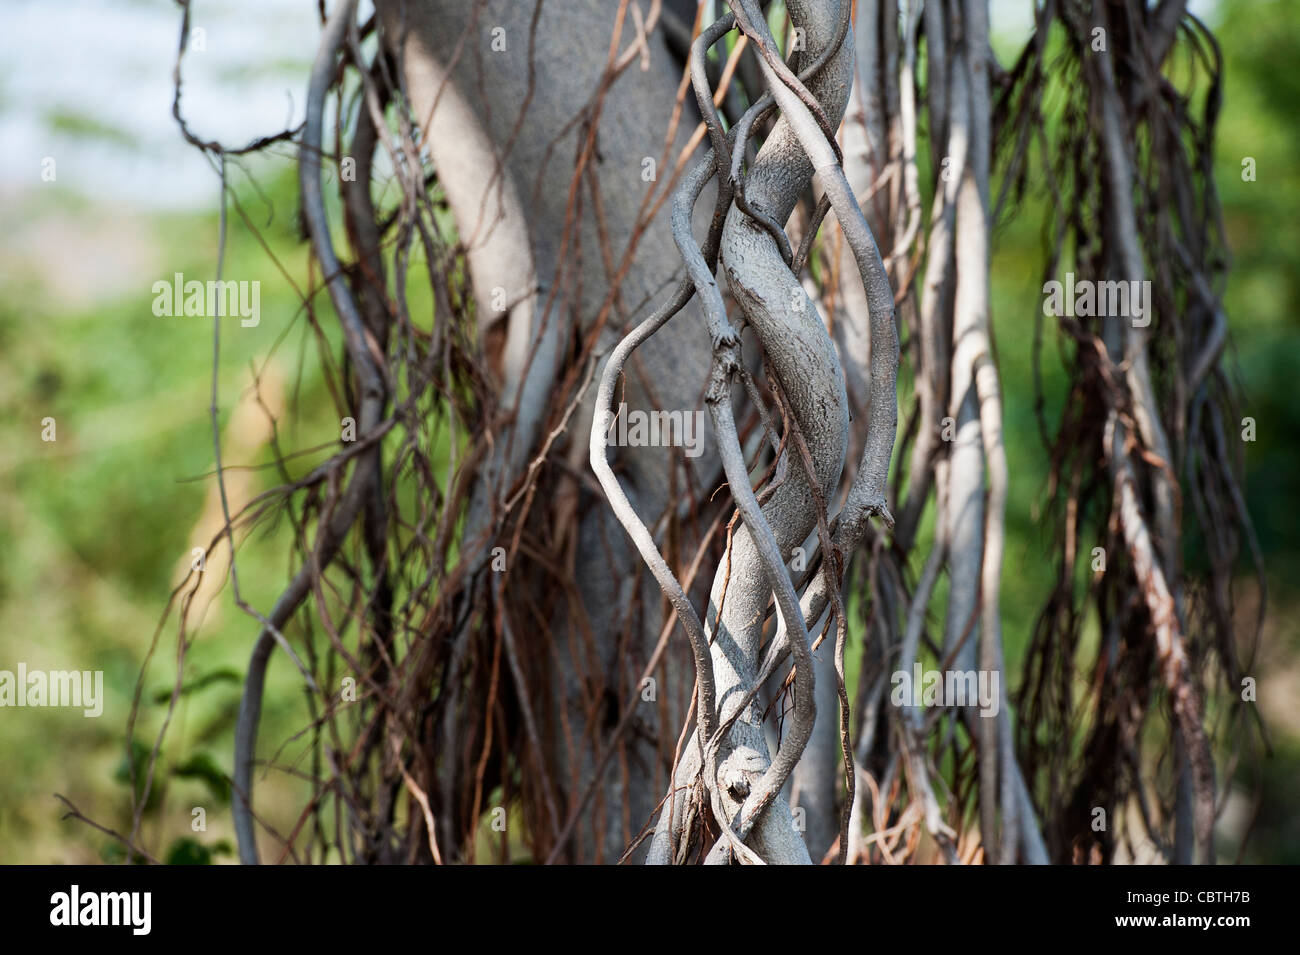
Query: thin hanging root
(372, 399)
(1175, 668)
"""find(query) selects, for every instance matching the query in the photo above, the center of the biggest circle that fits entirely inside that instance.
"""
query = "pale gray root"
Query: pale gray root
(973, 361)
(907, 131)
(863, 166)
(1033, 850)
(965, 533)
(936, 58)
(868, 107)
(670, 823)
(975, 376)
(911, 724)
(965, 508)
(937, 288)
(746, 791)
(813, 786)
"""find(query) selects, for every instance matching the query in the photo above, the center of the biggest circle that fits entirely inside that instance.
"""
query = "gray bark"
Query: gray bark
(507, 175)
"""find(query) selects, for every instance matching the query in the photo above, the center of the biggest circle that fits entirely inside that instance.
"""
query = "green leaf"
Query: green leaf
(203, 767)
(187, 851)
(225, 675)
